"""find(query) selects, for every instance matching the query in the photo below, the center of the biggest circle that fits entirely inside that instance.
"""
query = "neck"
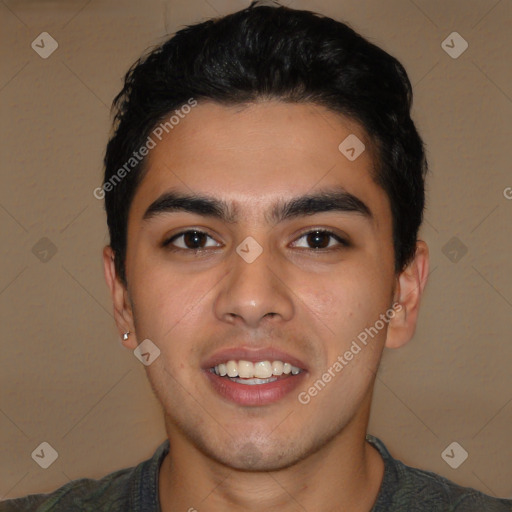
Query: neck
(345, 474)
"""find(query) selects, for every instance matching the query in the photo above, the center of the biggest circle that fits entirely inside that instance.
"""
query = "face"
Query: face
(257, 282)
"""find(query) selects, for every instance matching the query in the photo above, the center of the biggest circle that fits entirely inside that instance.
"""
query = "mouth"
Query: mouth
(253, 378)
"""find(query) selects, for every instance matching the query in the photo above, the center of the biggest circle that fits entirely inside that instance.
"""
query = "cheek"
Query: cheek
(344, 304)
(168, 311)
(167, 304)
(348, 295)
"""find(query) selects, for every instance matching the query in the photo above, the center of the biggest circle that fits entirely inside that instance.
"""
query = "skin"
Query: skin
(285, 456)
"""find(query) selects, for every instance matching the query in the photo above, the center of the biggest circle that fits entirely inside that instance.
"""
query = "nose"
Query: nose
(253, 292)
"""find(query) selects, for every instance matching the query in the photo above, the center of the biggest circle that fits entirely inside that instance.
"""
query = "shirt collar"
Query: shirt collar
(144, 484)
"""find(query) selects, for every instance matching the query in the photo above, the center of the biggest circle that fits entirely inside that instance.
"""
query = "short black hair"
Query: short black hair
(279, 53)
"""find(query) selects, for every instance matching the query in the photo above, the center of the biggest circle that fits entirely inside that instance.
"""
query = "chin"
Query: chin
(248, 456)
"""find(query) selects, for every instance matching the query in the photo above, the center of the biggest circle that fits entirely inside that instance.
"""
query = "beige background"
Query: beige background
(65, 378)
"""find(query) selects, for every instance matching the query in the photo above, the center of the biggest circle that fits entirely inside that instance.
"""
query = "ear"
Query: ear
(123, 314)
(410, 285)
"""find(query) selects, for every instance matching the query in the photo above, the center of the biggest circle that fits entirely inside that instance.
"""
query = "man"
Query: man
(264, 188)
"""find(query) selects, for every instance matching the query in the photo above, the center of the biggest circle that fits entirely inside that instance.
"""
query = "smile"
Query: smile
(259, 383)
(260, 372)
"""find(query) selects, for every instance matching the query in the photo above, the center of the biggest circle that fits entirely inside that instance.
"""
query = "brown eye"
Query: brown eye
(191, 240)
(320, 239)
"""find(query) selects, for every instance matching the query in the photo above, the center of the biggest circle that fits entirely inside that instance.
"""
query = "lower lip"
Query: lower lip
(259, 394)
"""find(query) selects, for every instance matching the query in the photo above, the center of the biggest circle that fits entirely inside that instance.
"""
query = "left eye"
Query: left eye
(320, 238)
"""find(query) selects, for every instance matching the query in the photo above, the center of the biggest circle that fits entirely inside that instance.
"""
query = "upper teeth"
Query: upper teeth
(260, 369)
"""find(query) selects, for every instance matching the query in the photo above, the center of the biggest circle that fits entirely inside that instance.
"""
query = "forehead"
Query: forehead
(255, 156)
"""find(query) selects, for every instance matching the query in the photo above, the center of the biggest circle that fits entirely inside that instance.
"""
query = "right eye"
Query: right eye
(192, 240)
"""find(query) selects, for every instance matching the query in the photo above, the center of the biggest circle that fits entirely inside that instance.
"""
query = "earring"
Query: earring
(125, 335)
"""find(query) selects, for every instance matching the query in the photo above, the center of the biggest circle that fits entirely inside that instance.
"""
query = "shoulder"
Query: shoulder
(134, 489)
(107, 493)
(443, 494)
(416, 490)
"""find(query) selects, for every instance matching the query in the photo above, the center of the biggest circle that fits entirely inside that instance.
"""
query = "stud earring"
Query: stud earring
(125, 335)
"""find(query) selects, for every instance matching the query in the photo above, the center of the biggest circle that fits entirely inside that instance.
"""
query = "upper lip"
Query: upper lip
(254, 355)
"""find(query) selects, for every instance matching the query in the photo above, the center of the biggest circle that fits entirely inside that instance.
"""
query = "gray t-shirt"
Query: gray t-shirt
(403, 489)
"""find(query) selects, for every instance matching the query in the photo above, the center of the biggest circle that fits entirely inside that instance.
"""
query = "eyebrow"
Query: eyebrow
(332, 199)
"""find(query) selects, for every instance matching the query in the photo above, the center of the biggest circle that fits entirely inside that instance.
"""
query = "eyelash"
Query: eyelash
(168, 243)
